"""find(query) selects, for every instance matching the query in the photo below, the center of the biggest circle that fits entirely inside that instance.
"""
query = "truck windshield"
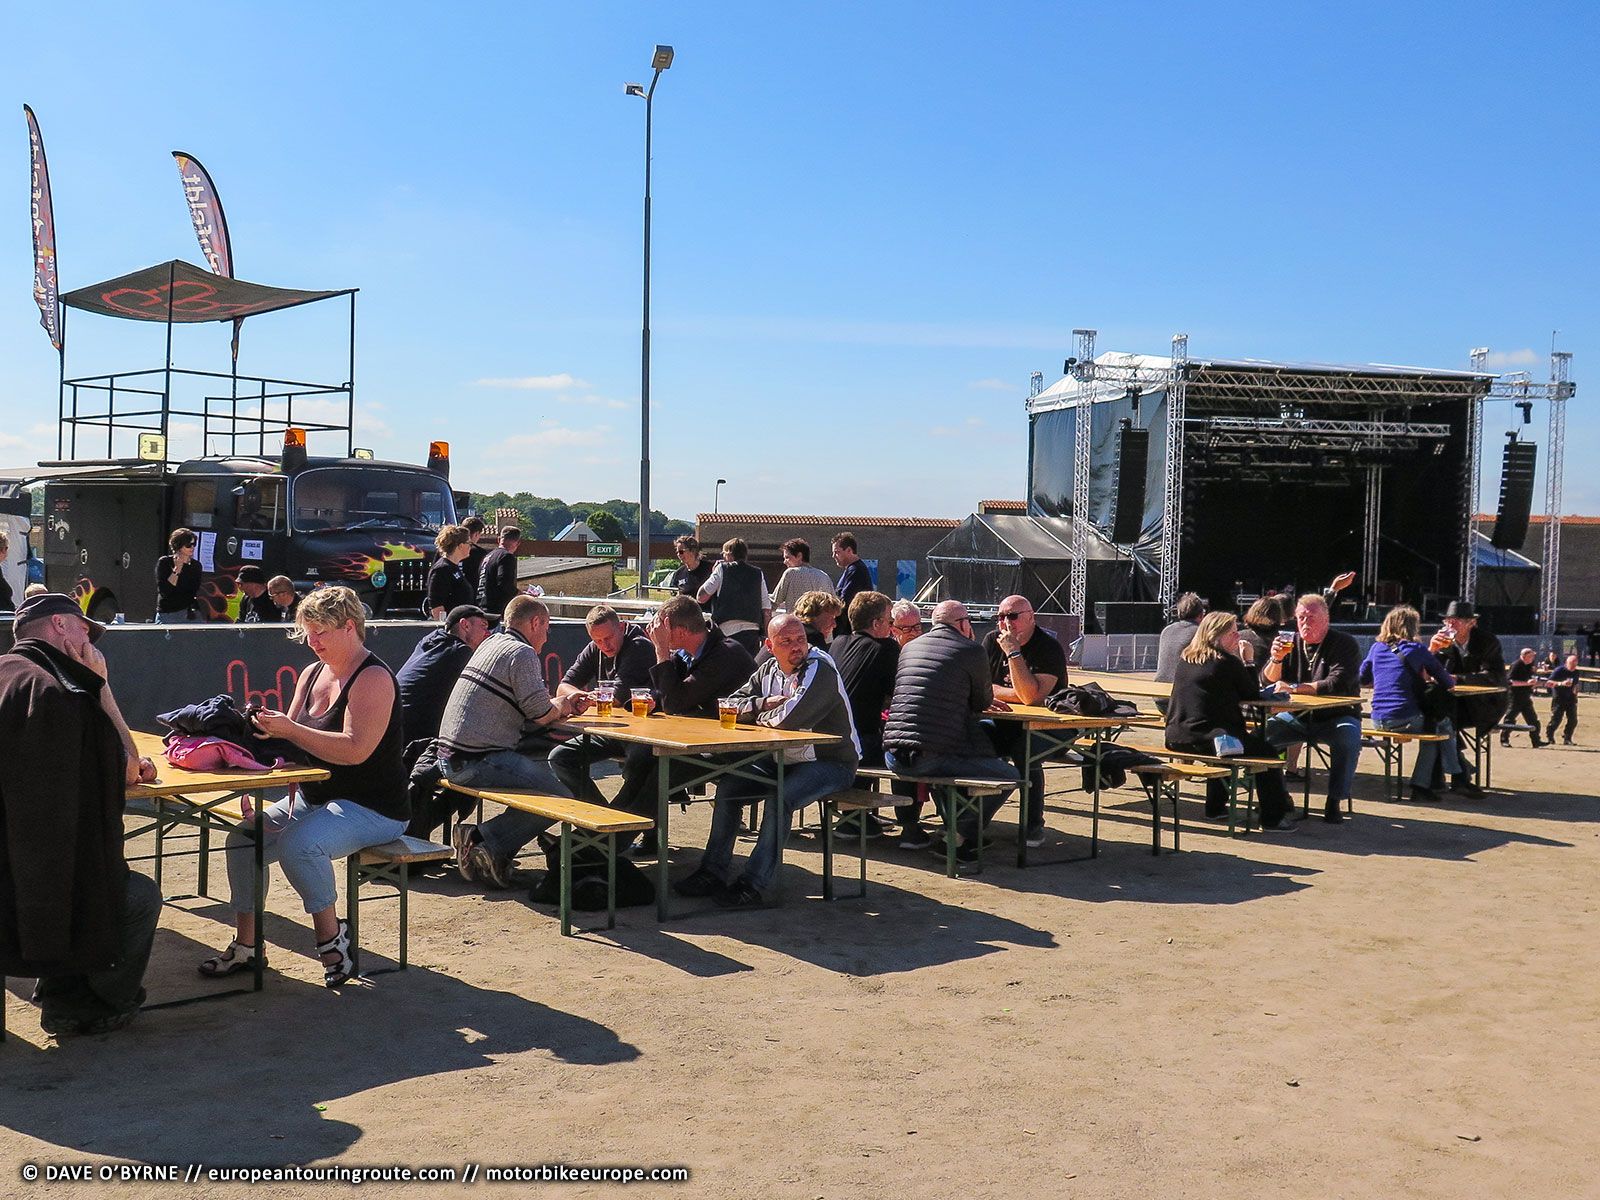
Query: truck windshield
(355, 497)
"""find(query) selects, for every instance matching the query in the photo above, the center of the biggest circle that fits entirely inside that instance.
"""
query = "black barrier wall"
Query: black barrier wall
(156, 668)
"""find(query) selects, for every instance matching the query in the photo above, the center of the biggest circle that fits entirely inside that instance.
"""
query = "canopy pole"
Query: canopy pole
(350, 387)
(166, 386)
(61, 375)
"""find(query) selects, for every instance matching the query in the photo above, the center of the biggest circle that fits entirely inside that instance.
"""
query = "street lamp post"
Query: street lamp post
(660, 61)
(716, 494)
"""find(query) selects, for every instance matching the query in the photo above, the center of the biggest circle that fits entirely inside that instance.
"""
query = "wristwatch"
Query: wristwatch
(1015, 654)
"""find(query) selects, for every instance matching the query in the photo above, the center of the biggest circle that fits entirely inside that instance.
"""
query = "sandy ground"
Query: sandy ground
(1404, 1005)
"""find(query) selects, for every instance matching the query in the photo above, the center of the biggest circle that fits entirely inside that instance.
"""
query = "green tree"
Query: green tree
(606, 525)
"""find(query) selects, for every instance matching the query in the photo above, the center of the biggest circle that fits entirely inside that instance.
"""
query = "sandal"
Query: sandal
(237, 957)
(337, 973)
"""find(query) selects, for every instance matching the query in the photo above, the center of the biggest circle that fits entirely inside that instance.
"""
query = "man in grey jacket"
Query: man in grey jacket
(797, 688)
(941, 686)
(490, 737)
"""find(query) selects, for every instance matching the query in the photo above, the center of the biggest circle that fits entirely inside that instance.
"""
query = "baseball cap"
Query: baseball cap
(53, 604)
(250, 573)
(462, 611)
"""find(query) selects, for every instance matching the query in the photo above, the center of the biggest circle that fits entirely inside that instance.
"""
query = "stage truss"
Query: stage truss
(1300, 391)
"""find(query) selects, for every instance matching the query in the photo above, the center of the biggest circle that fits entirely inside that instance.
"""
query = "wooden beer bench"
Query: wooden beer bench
(1391, 748)
(583, 826)
(1162, 782)
(1240, 770)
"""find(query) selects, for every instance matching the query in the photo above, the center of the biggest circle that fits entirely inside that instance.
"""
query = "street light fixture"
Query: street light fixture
(716, 494)
(660, 61)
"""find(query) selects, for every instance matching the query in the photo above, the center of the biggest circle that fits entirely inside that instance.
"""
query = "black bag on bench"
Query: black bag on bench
(634, 888)
(1088, 700)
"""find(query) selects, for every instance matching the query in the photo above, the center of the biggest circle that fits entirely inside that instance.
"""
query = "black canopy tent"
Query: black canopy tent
(177, 293)
(993, 555)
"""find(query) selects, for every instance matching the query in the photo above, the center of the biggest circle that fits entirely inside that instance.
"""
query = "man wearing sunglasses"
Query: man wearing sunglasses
(1026, 664)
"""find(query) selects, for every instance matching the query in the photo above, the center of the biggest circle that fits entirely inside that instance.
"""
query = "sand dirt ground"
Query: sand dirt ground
(1404, 1005)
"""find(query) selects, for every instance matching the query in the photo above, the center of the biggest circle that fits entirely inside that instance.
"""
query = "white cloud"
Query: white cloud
(552, 437)
(1512, 358)
(994, 385)
(534, 383)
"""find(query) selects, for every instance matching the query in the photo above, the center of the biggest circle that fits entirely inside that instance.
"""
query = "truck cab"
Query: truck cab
(364, 523)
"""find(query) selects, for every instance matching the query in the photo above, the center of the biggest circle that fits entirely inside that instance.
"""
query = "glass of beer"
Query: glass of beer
(604, 694)
(641, 703)
(728, 712)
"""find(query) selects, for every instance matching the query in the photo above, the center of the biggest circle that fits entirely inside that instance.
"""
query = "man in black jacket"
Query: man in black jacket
(619, 656)
(1319, 661)
(71, 913)
(1473, 655)
(431, 672)
(695, 666)
(942, 685)
(497, 578)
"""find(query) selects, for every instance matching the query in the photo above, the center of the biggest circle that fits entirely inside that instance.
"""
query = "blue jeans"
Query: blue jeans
(572, 761)
(505, 836)
(305, 845)
(958, 766)
(1428, 753)
(1342, 736)
(803, 783)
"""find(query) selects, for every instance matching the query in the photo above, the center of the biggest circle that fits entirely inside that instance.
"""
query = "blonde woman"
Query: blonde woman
(1208, 684)
(1398, 669)
(820, 613)
(345, 716)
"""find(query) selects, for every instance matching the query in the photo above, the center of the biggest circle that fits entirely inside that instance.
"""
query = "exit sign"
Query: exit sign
(605, 549)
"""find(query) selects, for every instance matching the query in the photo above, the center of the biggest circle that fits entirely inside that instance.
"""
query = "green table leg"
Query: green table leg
(662, 877)
(566, 879)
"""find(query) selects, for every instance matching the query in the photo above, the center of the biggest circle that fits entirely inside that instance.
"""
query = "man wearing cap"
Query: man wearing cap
(71, 913)
(497, 580)
(256, 606)
(435, 665)
(1472, 655)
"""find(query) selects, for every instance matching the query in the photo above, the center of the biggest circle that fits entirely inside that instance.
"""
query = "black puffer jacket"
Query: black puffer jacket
(940, 686)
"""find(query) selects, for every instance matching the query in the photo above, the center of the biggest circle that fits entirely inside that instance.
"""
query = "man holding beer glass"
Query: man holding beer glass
(615, 668)
(797, 688)
(1314, 659)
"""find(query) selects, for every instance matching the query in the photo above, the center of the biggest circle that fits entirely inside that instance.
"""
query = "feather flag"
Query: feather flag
(45, 285)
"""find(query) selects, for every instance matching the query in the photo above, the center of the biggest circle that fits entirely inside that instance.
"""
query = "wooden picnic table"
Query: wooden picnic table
(693, 739)
(193, 798)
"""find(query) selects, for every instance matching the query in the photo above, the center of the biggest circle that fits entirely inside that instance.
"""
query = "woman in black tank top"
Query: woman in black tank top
(346, 717)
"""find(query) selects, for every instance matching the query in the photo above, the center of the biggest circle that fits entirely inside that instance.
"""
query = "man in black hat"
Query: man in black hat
(71, 913)
(256, 606)
(435, 665)
(1472, 655)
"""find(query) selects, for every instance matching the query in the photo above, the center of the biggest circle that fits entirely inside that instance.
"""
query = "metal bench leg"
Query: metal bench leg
(352, 888)
(1233, 799)
(1175, 826)
(405, 915)
(161, 832)
(827, 847)
(566, 879)
(611, 881)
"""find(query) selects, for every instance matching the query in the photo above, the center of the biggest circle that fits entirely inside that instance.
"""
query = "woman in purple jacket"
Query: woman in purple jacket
(1397, 668)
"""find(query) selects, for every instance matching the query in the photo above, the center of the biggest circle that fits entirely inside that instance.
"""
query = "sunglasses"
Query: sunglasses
(1011, 616)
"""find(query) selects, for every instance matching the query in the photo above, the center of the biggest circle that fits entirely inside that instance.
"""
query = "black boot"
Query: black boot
(1334, 812)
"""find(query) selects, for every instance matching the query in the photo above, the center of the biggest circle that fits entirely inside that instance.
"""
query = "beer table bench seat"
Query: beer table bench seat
(1162, 782)
(1391, 748)
(583, 826)
(1240, 770)
(954, 796)
(705, 751)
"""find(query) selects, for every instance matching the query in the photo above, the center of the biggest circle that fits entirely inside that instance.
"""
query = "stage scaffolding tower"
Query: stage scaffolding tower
(1555, 469)
(1172, 510)
(1469, 560)
(1084, 370)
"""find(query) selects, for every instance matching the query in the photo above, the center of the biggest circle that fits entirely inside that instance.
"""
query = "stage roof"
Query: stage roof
(196, 296)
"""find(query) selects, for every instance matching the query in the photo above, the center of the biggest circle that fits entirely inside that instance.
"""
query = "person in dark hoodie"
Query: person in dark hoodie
(619, 656)
(435, 665)
(72, 914)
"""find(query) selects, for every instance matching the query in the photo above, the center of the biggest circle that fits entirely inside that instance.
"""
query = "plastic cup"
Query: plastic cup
(603, 697)
(641, 704)
(728, 712)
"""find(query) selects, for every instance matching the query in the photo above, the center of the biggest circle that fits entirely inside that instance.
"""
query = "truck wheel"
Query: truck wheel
(103, 607)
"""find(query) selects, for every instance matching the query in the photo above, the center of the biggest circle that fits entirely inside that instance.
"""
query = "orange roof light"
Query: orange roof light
(294, 437)
(438, 449)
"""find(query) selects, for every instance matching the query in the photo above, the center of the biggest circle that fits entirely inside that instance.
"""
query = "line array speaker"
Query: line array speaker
(1516, 495)
(1133, 453)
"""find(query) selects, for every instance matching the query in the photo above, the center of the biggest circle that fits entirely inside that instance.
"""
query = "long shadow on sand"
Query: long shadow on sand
(238, 1081)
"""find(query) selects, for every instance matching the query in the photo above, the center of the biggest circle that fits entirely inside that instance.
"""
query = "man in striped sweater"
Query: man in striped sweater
(491, 737)
(797, 688)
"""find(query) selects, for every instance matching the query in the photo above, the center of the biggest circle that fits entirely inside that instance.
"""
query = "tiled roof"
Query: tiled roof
(1539, 519)
(843, 523)
(1003, 506)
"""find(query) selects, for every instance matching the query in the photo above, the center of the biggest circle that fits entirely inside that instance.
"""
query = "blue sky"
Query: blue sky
(872, 221)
